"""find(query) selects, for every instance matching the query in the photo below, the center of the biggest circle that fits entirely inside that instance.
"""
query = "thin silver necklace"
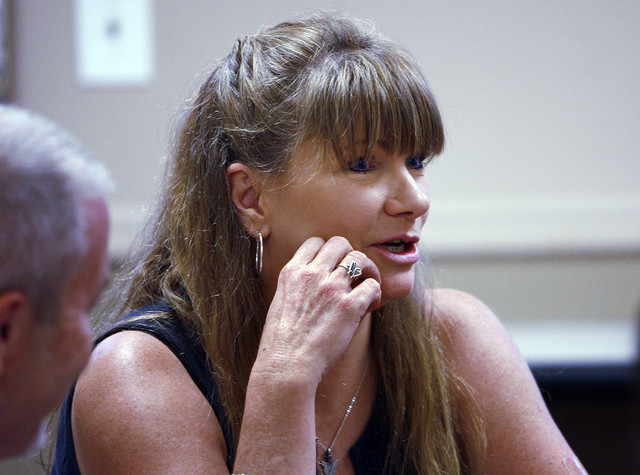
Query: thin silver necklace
(329, 466)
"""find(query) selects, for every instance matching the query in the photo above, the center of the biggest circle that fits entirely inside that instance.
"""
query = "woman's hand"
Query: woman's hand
(317, 308)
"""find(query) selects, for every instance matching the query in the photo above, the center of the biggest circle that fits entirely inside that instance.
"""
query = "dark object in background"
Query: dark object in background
(597, 409)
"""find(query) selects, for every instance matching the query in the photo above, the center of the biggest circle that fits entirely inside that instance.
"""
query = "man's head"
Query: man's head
(53, 264)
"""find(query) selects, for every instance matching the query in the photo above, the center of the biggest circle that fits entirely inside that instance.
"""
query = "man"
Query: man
(54, 230)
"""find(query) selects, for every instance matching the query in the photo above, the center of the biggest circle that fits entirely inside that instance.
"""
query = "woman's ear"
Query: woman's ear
(245, 187)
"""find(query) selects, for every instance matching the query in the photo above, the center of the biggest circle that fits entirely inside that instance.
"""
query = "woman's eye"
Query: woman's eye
(361, 165)
(416, 163)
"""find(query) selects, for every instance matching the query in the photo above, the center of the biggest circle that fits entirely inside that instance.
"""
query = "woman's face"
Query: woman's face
(378, 203)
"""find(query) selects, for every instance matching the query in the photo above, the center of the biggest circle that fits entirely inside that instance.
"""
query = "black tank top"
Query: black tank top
(368, 454)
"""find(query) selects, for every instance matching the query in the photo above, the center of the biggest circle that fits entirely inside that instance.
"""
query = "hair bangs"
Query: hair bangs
(362, 100)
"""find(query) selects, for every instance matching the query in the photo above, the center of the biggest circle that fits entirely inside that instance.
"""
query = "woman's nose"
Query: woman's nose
(409, 196)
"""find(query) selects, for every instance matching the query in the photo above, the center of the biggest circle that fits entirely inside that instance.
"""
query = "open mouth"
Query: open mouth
(397, 246)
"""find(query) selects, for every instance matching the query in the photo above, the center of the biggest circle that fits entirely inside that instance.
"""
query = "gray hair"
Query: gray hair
(45, 178)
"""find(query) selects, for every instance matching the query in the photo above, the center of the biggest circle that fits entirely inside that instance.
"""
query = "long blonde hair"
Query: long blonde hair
(324, 77)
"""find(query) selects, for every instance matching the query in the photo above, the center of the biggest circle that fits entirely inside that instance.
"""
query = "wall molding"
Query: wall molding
(538, 226)
(576, 343)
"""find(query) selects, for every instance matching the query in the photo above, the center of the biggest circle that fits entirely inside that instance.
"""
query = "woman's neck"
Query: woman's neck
(348, 369)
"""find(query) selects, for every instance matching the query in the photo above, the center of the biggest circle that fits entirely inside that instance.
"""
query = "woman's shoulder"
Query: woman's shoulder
(130, 376)
(140, 344)
(474, 341)
(452, 304)
(459, 316)
(128, 352)
(135, 397)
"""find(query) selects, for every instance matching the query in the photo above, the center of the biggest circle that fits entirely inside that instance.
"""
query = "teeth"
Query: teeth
(395, 246)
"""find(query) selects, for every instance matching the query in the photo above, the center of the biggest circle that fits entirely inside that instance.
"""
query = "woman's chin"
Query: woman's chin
(396, 287)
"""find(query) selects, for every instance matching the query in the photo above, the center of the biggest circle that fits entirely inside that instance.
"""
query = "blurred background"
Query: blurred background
(535, 202)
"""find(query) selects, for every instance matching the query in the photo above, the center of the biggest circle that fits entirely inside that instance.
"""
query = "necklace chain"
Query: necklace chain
(329, 449)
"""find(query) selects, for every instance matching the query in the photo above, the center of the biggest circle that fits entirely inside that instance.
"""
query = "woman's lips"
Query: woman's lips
(399, 252)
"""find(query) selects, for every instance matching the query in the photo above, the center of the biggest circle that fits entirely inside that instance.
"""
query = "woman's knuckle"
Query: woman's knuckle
(345, 305)
(288, 271)
(359, 256)
(341, 241)
(305, 275)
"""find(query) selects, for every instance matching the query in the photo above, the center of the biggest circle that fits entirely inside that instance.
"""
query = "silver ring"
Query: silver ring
(353, 270)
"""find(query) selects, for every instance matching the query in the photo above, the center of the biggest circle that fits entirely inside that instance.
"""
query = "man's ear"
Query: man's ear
(15, 310)
(245, 187)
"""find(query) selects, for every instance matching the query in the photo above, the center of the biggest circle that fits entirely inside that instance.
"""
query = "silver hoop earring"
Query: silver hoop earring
(259, 250)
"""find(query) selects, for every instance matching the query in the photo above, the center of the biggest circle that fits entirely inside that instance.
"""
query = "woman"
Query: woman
(277, 327)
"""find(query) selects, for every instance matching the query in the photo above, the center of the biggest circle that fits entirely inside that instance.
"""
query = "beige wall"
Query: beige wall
(540, 101)
(540, 176)
(536, 204)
